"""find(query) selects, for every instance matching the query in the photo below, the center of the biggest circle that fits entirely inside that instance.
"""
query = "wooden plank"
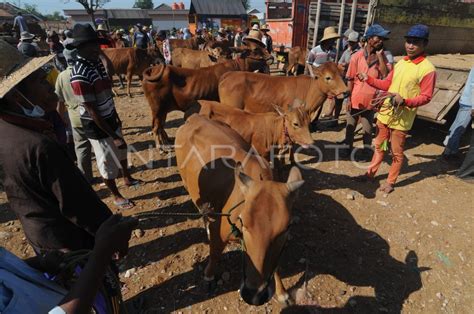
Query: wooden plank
(449, 85)
(441, 99)
(446, 109)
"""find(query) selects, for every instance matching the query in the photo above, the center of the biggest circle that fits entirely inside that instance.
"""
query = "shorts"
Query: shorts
(108, 156)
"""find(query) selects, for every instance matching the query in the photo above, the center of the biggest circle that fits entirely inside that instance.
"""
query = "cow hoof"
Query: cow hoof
(285, 300)
(211, 284)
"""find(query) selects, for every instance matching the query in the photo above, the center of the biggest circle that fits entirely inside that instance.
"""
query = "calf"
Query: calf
(263, 131)
(220, 176)
(296, 60)
(131, 61)
(169, 88)
(256, 92)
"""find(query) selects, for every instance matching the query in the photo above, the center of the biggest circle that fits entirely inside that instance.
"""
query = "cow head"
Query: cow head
(217, 55)
(329, 79)
(256, 58)
(155, 55)
(297, 120)
(265, 221)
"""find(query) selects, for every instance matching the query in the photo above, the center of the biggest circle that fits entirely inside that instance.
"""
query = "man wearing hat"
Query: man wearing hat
(373, 61)
(352, 47)
(68, 100)
(266, 38)
(325, 51)
(26, 47)
(56, 206)
(238, 37)
(140, 37)
(410, 85)
(102, 125)
(221, 34)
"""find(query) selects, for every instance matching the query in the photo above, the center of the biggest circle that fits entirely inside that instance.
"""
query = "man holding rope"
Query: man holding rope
(371, 60)
(410, 85)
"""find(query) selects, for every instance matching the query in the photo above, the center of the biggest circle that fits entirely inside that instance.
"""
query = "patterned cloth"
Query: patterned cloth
(92, 86)
(317, 56)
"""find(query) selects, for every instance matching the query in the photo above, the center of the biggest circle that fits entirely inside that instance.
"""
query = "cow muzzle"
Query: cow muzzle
(258, 296)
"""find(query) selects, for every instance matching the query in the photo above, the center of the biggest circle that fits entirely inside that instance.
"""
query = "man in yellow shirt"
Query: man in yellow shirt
(410, 85)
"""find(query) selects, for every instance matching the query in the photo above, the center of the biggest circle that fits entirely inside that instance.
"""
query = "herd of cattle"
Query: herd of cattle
(238, 110)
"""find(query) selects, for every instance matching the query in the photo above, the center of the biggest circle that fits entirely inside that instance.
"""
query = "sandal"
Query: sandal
(125, 204)
(134, 182)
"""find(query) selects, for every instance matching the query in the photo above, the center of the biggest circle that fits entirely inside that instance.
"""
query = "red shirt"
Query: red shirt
(362, 93)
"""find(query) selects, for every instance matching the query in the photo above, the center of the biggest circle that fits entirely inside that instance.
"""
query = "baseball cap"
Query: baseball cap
(377, 30)
(353, 37)
(418, 31)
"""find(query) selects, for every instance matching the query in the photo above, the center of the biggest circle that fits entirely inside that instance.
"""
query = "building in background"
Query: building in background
(255, 16)
(167, 17)
(214, 14)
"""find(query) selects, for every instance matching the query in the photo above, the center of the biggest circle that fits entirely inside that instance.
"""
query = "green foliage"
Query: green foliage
(246, 4)
(31, 9)
(56, 16)
(143, 4)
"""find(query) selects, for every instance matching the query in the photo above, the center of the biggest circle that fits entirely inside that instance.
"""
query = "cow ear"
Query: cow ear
(314, 72)
(212, 58)
(279, 110)
(242, 179)
(295, 180)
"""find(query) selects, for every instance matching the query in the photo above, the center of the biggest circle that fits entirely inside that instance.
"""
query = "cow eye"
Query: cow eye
(296, 124)
(328, 78)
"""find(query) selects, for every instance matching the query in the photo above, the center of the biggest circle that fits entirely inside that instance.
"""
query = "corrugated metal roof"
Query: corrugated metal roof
(218, 7)
(127, 14)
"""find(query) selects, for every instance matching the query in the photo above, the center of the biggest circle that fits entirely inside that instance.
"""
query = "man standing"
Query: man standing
(26, 46)
(56, 206)
(140, 37)
(463, 117)
(19, 24)
(325, 51)
(352, 47)
(102, 125)
(266, 38)
(372, 61)
(410, 84)
(68, 100)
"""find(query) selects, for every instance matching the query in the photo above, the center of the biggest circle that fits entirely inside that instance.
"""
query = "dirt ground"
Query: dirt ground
(356, 250)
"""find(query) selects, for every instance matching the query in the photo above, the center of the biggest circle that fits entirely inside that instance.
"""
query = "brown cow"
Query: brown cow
(195, 59)
(296, 59)
(131, 61)
(256, 92)
(191, 43)
(259, 208)
(169, 88)
(263, 130)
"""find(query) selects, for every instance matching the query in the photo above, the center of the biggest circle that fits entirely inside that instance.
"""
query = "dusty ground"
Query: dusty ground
(359, 251)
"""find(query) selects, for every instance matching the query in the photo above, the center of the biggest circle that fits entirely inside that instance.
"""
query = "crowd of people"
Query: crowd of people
(49, 187)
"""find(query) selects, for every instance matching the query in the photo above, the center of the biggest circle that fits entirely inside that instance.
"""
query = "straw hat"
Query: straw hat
(329, 33)
(14, 67)
(26, 35)
(264, 28)
(255, 36)
(255, 27)
(221, 30)
(102, 27)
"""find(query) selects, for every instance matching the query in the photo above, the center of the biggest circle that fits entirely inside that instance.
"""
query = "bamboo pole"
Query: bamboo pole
(353, 14)
(339, 31)
(316, 23)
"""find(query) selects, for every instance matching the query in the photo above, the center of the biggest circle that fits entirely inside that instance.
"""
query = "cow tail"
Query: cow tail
(154, 73)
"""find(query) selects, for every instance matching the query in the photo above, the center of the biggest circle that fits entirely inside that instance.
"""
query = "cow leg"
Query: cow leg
(121, 81)
(280, 292)
(216, 247)
(161, 138)
(129, 82)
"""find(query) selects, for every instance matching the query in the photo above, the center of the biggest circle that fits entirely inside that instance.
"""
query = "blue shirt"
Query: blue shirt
(21, 23)
(467, 96)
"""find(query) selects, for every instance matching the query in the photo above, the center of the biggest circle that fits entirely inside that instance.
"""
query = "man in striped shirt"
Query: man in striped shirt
(92, 87)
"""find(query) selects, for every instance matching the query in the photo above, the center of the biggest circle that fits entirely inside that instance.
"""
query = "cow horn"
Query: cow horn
(295, 185)
(154, 73)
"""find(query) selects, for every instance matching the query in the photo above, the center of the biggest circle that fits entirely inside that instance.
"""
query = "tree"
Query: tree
(143, 4)
(31, 9)
(91, 6)
(56, 16)
(246, 4)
